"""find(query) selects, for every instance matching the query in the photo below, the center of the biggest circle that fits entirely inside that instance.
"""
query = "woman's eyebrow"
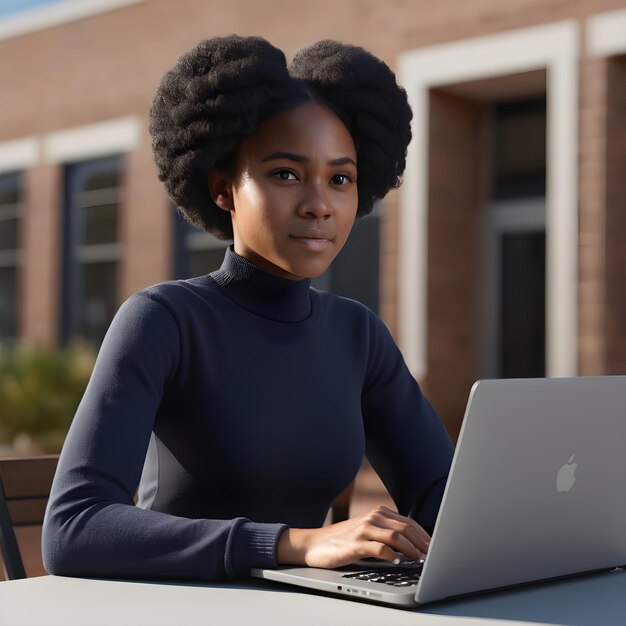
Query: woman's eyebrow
(342, 161)
(299, 158)
(286, 155)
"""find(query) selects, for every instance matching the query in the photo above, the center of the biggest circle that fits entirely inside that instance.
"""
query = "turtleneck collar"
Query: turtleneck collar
(269, 296)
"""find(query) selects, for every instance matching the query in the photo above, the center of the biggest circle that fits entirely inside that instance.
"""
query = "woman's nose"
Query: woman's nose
(315, 202)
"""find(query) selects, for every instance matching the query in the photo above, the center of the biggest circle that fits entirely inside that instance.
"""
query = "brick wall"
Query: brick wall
(592, 173)
(389, 250)
(146, 229)
(456, 152)
(615, 295)
(108, 66)
(41, 269)
(602, 228)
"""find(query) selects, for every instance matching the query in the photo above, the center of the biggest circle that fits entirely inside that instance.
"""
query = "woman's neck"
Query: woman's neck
(261, 293)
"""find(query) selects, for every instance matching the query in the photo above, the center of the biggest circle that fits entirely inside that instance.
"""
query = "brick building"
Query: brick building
(503, 253)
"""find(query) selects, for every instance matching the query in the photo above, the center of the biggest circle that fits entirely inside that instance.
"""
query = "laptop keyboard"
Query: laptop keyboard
(398, 577)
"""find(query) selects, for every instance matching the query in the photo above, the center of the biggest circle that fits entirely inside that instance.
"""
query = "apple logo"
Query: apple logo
(565, 479)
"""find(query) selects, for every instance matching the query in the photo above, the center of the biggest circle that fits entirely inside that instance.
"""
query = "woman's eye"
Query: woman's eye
(341, 179)
(285, 175)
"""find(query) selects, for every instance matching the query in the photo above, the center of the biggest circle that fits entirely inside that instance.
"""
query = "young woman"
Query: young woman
(242, 402)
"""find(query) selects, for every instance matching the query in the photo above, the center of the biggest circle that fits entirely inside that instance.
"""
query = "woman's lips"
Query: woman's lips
(316, 244)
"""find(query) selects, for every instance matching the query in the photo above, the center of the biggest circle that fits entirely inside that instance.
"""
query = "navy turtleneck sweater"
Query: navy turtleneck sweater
(240, 403)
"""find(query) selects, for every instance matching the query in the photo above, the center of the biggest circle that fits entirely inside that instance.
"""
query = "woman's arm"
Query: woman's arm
(406, 442)
(410, 449)
(92, 527)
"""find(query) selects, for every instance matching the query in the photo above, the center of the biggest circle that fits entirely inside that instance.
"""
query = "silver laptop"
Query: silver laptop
(535, 492)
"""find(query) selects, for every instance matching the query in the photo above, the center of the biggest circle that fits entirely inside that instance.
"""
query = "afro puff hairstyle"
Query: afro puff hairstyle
(221, 91)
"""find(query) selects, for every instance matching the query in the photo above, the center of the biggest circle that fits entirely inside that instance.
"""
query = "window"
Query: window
(10, 255)
(519, 149)
(517, 240)
(195, 253)
(522, 304)
(91, 248)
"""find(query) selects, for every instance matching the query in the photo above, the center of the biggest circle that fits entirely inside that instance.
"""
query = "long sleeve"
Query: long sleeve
(406, 441)
(206, 395)
(92, 527)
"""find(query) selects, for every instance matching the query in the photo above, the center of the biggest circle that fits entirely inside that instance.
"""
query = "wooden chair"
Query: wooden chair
(24, 489)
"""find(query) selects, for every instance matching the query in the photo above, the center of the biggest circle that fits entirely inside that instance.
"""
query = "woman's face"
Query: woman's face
(292, 192)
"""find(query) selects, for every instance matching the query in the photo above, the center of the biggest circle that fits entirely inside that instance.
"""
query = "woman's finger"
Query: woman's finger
(397, 541)
(398, 535)
(388, 518)
(378, 550)
(409, 520)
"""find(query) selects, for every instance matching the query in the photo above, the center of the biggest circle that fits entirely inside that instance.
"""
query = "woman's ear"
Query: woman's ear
(220, 185)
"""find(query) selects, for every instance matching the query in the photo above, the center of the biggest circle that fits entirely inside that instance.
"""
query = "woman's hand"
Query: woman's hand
(380, 533)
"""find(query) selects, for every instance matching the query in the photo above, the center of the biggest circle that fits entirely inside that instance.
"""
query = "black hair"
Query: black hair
(220, 92)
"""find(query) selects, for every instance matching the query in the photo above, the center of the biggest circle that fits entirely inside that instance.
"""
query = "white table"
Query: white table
(597, 600)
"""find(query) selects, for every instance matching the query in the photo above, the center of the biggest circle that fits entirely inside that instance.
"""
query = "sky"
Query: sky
(9, 8)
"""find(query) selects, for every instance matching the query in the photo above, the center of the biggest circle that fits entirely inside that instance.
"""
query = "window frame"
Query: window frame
(75, 253)
(504, 217)
(188, 239)
(13, 258)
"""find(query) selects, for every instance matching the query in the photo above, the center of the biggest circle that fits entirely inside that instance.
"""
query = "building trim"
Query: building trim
(554, 47)
(57, 14)
(92, 141)
(606, 34)
(19, 154)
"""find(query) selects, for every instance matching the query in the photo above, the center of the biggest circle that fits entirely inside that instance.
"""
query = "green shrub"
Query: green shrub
(39, 393)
